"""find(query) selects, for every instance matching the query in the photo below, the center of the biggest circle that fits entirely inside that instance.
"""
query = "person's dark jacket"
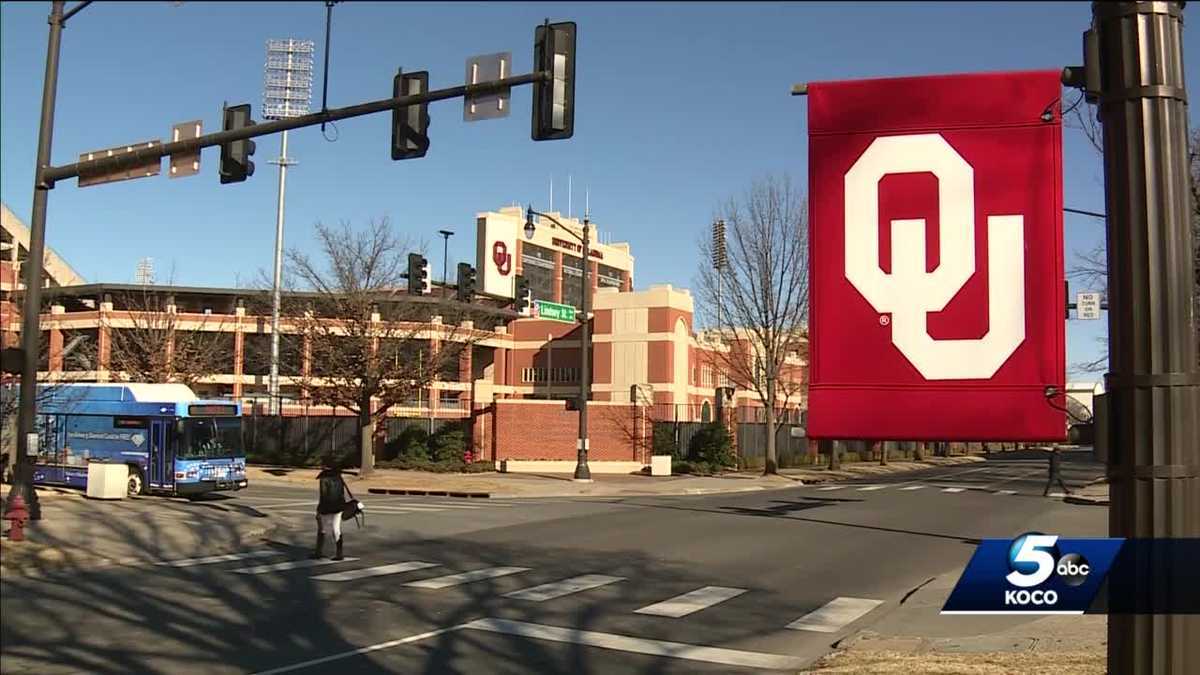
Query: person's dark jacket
(333, 491)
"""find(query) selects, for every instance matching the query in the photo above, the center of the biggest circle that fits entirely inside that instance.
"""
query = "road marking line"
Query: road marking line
(310, 502)
(368, 507)
(1014, 478)
(624, 643)
(189, 562)
(557, 589)
(871, 487)
(682, 605)
(915, 487)
(1057, 494)
(448, 505)
(831, 487)
(1005, 492)
(378, 571)
(835, 614)
(361, 650)
(465, 577)
(290, 565)
(953, 489)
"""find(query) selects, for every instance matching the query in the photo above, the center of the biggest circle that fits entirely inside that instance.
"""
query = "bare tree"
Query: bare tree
(1091, 267)
(151, 342)
(368, 345)
(763, 294)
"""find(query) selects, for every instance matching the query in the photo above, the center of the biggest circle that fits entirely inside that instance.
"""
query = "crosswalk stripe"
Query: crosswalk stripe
(624, 643)
(376, 508)
(1006, 492)
(465, 577)
(290, 565)
(831, 487)
(914, 487)
(1057, 494)
(557, 589)
(189, 562)
(682, 605)
(953, 489)
(835, 614)
(447, 505)
(377, 571)
(284, 505)
(869, 488)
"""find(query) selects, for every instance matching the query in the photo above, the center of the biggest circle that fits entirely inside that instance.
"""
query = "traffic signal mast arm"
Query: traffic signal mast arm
(52, 174)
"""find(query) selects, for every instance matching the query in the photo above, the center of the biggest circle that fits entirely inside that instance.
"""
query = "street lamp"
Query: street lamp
(581, 467)
(446, 234)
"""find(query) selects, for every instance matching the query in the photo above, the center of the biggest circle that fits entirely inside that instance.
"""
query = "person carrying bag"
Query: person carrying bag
(332, 508)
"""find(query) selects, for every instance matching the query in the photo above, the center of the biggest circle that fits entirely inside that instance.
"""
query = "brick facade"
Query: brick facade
(546, 430)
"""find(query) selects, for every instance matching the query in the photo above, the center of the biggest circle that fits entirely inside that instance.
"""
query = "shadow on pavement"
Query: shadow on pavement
(205, 618)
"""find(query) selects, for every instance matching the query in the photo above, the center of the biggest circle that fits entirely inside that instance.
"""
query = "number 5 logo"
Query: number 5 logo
(1029, 551)
(910, 293)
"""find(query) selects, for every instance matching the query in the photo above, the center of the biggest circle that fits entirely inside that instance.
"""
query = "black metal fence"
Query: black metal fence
(304, 440)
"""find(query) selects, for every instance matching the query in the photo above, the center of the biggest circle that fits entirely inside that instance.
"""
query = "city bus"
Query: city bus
(171, 441)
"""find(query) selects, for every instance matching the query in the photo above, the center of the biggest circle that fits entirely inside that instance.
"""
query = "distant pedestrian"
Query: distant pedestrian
(1055, 473)
(330, 507)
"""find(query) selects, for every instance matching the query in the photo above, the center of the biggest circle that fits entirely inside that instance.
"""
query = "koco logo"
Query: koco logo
(502, 258)
(908, 294)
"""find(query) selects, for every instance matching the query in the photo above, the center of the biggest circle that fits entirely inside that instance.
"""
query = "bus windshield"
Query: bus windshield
(211, 438)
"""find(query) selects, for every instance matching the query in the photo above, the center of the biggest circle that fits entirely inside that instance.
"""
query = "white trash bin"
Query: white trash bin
(107, 481)
(660, 465)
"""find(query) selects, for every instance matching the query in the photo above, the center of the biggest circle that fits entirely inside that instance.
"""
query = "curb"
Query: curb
(50, 560)
(429, 493)
(1085, 501)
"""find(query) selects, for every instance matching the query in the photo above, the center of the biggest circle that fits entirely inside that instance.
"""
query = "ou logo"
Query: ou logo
(910, 293)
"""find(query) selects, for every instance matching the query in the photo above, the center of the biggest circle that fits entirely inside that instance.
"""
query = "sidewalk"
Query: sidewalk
(1092, 494)
(915, 638)
(512, 485)
(76, 533)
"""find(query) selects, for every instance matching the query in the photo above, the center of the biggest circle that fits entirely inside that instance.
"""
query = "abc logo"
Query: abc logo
(1033, 558)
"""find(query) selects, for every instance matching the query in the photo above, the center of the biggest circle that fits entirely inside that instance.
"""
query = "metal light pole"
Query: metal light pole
(1154, 384)
(31, 333)
(582, 473)
(446, 234)
(286, 94)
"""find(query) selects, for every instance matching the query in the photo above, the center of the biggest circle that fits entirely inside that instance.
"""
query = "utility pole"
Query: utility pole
(1135, 69)
(31, 334)
(582, 472)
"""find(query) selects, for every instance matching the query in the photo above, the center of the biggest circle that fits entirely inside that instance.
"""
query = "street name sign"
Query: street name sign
(555, 311)
(936, 251)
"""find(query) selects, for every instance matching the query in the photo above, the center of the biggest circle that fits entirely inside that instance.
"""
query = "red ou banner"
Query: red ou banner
(937, 259)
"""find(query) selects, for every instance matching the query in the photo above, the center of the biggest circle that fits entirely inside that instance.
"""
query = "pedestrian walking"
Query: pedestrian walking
(1055, 473)
(332, 504)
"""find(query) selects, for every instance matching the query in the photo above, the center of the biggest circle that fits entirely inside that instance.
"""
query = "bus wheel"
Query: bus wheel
(137, 484)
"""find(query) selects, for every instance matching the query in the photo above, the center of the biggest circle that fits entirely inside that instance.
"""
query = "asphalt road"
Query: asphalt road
(747, 582)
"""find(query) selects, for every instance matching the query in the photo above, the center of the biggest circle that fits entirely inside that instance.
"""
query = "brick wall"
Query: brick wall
(533, 430)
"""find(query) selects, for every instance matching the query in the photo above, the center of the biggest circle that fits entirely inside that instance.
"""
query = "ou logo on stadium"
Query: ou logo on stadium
(910, 293)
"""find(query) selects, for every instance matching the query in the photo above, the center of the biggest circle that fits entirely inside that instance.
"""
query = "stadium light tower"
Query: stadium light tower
(287, 92)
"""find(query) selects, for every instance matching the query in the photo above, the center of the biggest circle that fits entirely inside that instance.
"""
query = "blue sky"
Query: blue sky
(679, 106)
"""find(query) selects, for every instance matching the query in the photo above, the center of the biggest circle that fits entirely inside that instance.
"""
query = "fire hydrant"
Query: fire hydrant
(19, 515)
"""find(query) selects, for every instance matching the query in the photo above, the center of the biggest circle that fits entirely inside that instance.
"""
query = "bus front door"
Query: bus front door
(162, 456)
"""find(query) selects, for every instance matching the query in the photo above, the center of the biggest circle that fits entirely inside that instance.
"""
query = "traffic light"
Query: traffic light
(418, 275)
(523, 297)
(235, 155)
(410, 124)
(554, 101)
(466, 283)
